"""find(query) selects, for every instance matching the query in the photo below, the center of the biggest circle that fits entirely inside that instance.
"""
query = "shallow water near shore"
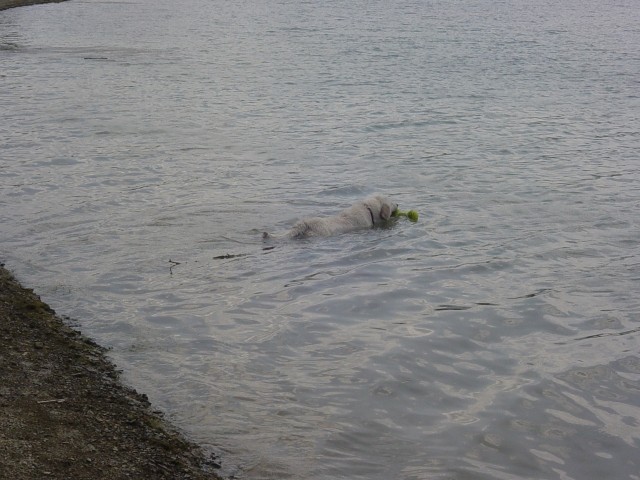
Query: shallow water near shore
(147, 146)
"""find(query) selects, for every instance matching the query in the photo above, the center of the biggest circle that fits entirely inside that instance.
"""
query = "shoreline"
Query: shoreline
(6, 4)
(64, 413)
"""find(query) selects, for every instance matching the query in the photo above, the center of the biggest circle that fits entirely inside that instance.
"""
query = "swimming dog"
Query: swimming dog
(368, 213)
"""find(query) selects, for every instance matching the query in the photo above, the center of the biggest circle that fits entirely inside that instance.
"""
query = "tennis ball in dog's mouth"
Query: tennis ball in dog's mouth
(411, 215)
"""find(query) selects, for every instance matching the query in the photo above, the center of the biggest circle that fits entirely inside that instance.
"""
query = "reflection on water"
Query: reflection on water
(147, 147)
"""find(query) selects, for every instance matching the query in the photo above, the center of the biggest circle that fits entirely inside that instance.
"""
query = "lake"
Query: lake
(147, 145)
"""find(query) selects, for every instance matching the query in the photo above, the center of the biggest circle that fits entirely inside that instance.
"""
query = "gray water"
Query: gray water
(497, 338)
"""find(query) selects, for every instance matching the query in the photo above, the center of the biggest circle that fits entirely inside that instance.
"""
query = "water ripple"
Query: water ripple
(495, 338)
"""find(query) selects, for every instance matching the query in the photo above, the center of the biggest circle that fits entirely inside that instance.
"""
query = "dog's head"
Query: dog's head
(381, 208)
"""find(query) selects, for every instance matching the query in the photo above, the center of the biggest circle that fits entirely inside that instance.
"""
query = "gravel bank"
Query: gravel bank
(65, 415)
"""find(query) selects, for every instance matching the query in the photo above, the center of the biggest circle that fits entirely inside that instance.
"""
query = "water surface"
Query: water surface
(497, 338)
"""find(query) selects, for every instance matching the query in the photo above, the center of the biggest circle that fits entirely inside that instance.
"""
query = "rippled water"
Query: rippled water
(146, 146)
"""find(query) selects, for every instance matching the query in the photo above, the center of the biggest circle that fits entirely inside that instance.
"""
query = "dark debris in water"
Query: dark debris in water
(230, 255)
(452, 307)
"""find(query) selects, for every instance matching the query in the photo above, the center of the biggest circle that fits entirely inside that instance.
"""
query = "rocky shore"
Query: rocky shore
(65, 415)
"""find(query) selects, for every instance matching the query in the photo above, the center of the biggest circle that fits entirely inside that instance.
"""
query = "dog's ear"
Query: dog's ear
(385, 211)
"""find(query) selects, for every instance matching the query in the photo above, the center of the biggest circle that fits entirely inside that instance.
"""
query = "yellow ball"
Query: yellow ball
(411, 214)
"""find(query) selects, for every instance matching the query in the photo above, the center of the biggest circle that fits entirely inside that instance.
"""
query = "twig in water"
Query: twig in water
(173, 264)
(230, 255)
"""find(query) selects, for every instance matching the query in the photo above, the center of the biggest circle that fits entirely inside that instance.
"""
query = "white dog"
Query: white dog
(368, 213)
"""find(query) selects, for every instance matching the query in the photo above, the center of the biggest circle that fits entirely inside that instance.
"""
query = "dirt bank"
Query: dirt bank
(65, 415)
